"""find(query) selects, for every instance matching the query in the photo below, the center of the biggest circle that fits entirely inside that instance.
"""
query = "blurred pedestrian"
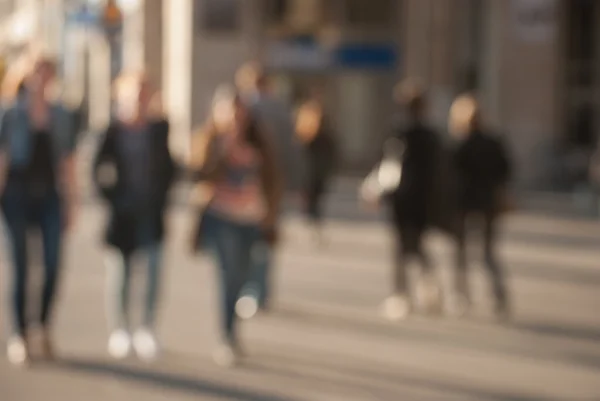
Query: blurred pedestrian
(38, 191)
(483, 174)
(411, 202)
(275, 116)
(316, 133)
(240, 221)
(133, 171)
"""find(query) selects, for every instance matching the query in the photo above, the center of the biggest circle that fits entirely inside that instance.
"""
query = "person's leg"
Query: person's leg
(51, 230)
(255, 295)
(225, 239)
(154, 255)
(493, 265)
(461, 299)
(429, 289)
(118, 267)
(14, 210)
(145, 341)
(397, 306)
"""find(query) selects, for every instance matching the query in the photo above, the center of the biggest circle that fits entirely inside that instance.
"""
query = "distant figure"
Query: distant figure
(274, 117)
(483, 174)
(316, 133)
(133, 171)
(38, 190)
(411, 204)
(240, 219)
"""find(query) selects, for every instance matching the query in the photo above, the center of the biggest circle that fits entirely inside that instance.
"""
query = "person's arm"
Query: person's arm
(295, 152)
(4, 162)
(272, 181)
(104, 170)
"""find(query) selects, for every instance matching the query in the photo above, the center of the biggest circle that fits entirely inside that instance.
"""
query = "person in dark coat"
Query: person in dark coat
(134, 171)
(483, 172)
(411, 203)
(316, 133)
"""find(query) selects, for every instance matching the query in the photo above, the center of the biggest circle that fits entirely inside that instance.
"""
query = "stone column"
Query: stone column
(153, 39)
(430, 51)
(177, 72)
(522, 83)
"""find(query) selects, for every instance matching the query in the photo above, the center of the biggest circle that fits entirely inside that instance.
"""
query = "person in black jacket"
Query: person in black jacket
(134, 171)
(316, 133)
(483, 173)
(411, 203)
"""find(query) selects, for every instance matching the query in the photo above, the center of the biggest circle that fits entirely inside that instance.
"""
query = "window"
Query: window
(219, 16)
(370, 13)
(294, 17)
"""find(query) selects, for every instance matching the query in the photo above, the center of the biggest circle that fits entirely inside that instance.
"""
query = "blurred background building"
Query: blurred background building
(534, 63)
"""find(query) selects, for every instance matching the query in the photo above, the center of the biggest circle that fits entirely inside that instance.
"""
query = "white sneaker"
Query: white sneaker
(119, 344)
(17, 351)
(396, 307)
(429, 294)
(146, 345)
(458, 306)
(246, 307)
(225, 356)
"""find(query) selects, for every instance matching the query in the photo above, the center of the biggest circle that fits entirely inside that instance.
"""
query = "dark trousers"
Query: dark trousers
(237, 249)
(408, 243)
(489, 224)
(22, 213)
(315, 192)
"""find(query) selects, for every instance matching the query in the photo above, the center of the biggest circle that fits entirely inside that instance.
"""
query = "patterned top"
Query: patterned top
(238, 195)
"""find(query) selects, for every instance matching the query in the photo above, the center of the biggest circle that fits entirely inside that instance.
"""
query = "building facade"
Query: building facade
(535, 65)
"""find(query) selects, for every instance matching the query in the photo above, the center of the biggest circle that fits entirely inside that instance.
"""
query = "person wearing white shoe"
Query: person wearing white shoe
(242, 216)
(133, 171)
(37, 191)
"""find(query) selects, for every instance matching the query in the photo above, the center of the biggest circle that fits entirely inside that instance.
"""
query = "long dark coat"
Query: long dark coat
(121, 230)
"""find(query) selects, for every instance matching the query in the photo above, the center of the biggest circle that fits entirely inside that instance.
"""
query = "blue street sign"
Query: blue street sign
(367, 55)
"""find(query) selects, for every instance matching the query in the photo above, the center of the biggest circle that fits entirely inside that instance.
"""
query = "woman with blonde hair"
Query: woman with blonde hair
(240, 220)
(483, 172)
(37, 189)
(133, 171)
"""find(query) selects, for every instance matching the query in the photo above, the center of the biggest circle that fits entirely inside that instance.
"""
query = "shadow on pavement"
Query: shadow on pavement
(165, 380)
(375, 378)
(564, 331)
(455, 339)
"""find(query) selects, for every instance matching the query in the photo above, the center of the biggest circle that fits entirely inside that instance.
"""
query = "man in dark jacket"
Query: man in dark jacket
(411, 204)
(483, 171)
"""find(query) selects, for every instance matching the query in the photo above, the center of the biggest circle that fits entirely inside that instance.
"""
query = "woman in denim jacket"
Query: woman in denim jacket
(37, 190)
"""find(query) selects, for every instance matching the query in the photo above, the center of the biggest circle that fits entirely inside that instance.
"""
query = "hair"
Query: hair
(464, 116)
(308, 120)
(250, 76)
(128, 79)
(412, 96)
(18, 72)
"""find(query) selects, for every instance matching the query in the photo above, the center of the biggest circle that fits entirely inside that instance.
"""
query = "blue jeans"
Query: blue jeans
(22, 213)
(258, 285)
(119, 287)
(236, 248)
